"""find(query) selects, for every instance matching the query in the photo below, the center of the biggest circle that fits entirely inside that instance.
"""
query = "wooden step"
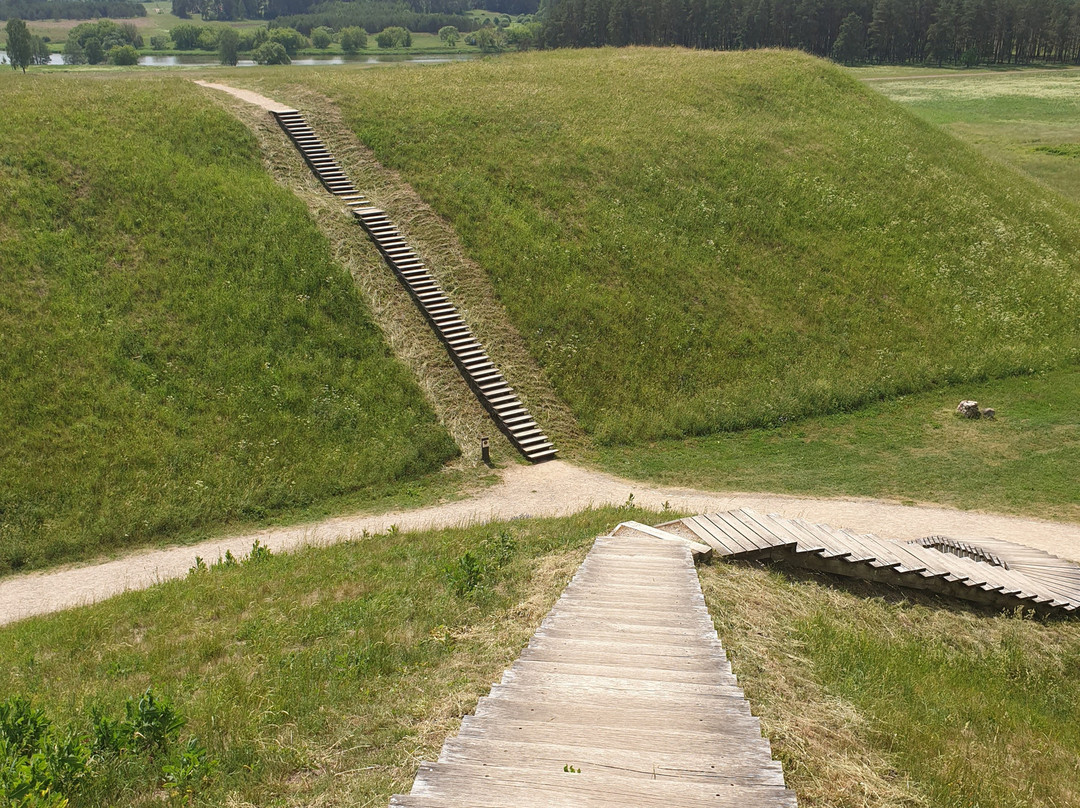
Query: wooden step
(488, 383)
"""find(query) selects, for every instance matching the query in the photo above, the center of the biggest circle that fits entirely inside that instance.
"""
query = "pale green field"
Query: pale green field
(1027, 119)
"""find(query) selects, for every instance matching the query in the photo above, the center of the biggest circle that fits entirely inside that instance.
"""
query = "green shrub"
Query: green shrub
(208, 38)
(228, 46)
(473, 570)
(290, 39)
(42, 767)
(252, 38)
(160, 42)
(394, 37)
(272, 53)
(353, 39)
(450, 35)
(186, 35)
(124, 55)
(321, 38)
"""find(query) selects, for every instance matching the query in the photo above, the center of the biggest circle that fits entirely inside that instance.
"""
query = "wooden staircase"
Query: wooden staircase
(624, 697)
(988, 571)
(485, 379)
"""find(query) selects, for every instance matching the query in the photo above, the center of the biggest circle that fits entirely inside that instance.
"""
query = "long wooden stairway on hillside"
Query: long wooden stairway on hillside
(481, 374)
(987, 571)
(623, 698)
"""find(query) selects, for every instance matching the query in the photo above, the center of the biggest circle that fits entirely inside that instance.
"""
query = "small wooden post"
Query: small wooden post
(485, 450)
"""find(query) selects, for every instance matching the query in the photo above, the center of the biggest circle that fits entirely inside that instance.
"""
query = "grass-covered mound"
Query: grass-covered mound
(316, 678)
(324, 677)
(698, 241)
(179, 349)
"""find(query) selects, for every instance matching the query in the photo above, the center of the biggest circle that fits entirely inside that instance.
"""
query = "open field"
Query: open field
(324, 677)
(1028, 119)
(913, 449)
(181, 352)
(692, 242)
(159, 20)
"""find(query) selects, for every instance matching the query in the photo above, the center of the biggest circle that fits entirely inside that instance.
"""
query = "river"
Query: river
(207, 60)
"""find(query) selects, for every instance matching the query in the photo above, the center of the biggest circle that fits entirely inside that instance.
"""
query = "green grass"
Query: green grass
(1029, 120)
(180, 351)
(692, 242)
(320, 677)
(913, 449)
(897, 701)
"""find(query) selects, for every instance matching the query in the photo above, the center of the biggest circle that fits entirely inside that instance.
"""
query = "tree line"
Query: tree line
(893, 31)
(374, 16)
(69, 9)
(371, 14)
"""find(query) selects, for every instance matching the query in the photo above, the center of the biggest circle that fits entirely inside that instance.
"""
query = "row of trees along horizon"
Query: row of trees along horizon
(965, 32)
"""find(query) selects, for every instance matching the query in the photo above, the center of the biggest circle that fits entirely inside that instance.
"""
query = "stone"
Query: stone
(968, 409)
(989, 414)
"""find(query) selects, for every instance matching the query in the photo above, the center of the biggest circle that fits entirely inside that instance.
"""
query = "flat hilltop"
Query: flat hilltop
(692, 242)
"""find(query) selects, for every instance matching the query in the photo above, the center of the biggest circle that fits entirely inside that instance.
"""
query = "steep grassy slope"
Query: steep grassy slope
(692, 242)
(178, 347)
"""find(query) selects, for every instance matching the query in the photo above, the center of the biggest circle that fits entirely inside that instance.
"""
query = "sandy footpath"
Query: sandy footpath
(556, 488)
(269, 104)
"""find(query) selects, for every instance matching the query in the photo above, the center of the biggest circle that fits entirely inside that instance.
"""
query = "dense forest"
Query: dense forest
(69, 9)
(894, 31)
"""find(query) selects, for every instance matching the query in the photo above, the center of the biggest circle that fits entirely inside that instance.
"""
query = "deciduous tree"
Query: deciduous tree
(229, 46)
(20, 46)
(450, 35)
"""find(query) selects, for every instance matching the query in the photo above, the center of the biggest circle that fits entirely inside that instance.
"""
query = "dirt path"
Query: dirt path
(556, 488)
(269, 104)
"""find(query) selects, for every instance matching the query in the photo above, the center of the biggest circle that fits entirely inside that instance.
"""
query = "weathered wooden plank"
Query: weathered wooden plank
(626, 681)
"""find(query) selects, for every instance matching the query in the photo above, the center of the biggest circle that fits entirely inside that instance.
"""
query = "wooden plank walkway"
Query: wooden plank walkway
(988, 571)
(623, 698)
(476, 367)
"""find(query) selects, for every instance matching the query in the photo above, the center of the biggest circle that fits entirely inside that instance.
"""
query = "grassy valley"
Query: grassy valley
(180, 351)
(693, 242)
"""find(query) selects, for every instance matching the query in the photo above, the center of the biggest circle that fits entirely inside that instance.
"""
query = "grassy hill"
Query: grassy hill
(692, 241)
(324, 677)
(179, 349)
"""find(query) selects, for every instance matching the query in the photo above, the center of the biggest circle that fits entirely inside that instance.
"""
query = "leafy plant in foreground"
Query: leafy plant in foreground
(42, 767)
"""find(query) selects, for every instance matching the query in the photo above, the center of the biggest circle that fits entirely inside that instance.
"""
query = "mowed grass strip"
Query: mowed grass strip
(914, 449)
(179, 349)
(692, 242)
(316, 678)
(880, 699)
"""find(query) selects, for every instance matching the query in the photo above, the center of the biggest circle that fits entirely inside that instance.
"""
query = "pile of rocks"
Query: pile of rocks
(970, 409)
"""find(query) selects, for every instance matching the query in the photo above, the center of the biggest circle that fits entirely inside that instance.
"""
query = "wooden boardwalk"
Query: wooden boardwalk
(476, 367)
(623, 698)
(988, 571)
